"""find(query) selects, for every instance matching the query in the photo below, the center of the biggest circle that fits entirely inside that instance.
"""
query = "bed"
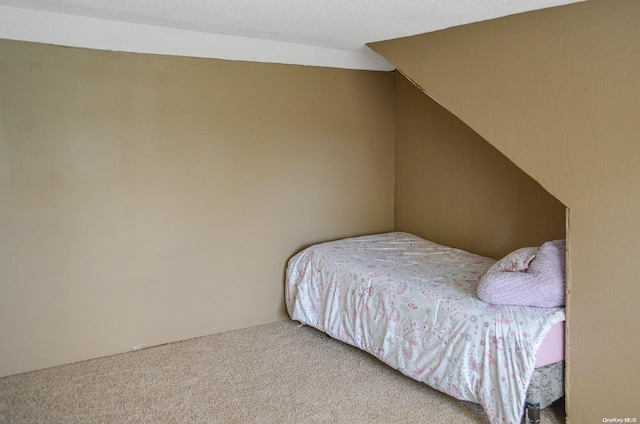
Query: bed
(413, 304)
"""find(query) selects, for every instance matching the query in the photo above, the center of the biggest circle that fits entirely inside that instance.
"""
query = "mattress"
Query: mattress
(413, 304)
(552, 347)
(547, 380)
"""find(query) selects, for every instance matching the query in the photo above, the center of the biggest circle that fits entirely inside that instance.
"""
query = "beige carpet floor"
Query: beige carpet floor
(274, 373)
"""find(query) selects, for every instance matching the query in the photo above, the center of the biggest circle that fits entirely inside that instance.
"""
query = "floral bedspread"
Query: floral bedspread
(412, 304)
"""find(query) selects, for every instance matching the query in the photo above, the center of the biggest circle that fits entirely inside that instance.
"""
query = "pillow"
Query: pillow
(516, 261)
(542, 284)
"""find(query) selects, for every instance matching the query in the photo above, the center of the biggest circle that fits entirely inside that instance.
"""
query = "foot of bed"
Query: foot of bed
(532, 411)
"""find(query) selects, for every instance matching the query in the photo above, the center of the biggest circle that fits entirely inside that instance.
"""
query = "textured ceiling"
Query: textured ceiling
(330, 27)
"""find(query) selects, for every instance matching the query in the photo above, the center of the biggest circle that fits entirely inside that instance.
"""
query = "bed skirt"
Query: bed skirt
(546, 385)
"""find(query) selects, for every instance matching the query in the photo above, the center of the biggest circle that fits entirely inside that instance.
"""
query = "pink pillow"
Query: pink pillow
(542, 284)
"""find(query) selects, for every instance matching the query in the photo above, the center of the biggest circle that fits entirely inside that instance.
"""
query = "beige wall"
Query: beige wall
(557, 91)
(454, 188)
(147, 199)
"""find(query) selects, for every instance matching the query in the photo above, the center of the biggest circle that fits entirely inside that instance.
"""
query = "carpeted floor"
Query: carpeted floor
(275, 373)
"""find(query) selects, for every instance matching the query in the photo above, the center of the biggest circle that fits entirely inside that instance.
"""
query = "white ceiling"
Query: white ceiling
(309, 32)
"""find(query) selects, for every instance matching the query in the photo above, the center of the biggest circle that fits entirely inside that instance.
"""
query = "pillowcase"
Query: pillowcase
(542, 284)
(516, 261)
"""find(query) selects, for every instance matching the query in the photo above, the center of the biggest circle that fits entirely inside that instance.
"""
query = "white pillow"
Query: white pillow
(516, 261)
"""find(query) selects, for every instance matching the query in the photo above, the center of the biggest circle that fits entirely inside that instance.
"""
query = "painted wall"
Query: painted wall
(147, 199)
(454, 188)
(557, 91)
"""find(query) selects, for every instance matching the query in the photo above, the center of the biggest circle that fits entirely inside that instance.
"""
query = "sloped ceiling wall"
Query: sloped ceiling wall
(558, 92)
(454, 188)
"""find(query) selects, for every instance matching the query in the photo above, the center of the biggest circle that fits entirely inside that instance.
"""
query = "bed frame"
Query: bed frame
(546, 386)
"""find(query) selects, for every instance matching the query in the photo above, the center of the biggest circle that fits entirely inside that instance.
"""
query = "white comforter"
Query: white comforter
(412, 304)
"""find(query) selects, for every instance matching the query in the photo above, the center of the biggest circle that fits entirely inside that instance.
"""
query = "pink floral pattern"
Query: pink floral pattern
(412, 304)
(516, 261)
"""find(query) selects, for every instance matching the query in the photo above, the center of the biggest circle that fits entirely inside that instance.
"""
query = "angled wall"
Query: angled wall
(557, 92)
(454, 188)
